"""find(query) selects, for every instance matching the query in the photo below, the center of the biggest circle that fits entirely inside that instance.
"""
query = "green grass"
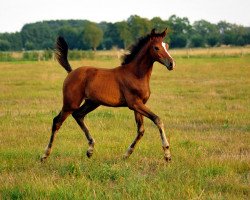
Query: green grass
(204, 103)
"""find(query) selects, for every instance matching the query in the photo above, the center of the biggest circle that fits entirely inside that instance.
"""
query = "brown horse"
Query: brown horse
(123, 86)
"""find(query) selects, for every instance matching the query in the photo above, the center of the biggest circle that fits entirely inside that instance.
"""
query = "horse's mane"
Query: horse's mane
(134, 49)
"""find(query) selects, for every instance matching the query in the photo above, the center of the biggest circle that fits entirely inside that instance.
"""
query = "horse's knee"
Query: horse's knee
(91, 142)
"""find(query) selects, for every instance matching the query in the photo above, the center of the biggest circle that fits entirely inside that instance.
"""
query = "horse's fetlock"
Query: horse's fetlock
(92, 142)
(158, 121)
(141, 134)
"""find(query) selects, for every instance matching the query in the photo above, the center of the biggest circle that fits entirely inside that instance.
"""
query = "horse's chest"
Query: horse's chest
(143, 93)
(135, 88)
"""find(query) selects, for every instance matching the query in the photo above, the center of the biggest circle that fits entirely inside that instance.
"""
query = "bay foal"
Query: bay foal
(123, 86)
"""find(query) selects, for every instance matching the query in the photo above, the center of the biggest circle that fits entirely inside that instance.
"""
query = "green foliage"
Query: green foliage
(78, 55)
(197, 41)
(86, 35)
(138, 26)
(213, 40)
(92, 35)
(124, 33)
(71, 35)
(4, 45)
(178, 41)
(48, 55)
(30, 55)
(5, 56)
(209, 33)
(158, 23)
(10, 41)
(179, 31)
(111, 37)
(37, 36)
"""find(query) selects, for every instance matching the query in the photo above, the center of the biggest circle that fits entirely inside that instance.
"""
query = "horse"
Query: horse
(86, 88)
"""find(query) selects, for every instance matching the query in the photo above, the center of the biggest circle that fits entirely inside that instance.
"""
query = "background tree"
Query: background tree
(71, 35)
(197, 41)
(208, 31)
(124, 33)
(83, 34)
(92, 35)
(14, 40)
(138, 26)
(35, 35)
(4, 45)
(232, 34)
(179, 31)
(159, 24)
(247, 35)
(111, 36)
(238, 34)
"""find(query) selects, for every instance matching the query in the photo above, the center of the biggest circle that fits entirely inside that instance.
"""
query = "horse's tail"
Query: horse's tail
(61, 53)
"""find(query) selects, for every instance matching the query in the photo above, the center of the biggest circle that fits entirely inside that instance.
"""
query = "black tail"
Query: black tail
(61, 53)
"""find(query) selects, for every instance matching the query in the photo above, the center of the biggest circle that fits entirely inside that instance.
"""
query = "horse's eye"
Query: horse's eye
(156, 48)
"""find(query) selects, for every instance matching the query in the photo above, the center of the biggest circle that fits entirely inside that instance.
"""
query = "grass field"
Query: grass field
(204, 103)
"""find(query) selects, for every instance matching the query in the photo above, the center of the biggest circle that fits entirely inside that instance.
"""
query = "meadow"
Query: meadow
(205, 106)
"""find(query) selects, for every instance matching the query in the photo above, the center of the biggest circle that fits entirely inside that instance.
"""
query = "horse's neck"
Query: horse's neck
(142, 65)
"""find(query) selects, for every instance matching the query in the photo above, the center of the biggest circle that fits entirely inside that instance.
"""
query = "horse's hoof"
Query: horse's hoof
(125, 156)
(89, 154)
(168, 158)
(43, 159)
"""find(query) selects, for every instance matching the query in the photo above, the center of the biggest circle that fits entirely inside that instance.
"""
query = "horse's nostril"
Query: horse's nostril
(172, 64)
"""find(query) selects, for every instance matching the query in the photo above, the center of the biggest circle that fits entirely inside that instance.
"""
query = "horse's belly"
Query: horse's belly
(105, 93)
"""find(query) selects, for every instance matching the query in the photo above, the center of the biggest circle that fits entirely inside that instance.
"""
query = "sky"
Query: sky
(15, 13)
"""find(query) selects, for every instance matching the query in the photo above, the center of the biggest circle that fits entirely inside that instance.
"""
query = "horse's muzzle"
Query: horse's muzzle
(170, 64)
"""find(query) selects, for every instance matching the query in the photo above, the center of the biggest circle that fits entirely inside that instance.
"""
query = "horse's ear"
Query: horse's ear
(164, 33)
(153, 32)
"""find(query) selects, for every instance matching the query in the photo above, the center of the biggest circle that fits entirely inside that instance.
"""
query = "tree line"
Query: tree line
(85, 35)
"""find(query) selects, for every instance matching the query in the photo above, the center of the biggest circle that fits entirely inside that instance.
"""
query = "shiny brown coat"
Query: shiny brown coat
(123, 86)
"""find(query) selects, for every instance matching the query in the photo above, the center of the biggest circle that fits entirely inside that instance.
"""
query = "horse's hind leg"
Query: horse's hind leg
(79, 115)
(140, 132)
(57, 122)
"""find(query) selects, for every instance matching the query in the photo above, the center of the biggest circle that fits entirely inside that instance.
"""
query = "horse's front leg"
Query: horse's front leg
(139, 107)
(140, 132)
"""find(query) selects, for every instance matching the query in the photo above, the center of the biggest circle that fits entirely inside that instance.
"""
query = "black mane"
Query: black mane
(134, 49)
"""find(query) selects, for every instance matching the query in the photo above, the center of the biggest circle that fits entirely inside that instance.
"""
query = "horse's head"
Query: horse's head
(159, 49)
